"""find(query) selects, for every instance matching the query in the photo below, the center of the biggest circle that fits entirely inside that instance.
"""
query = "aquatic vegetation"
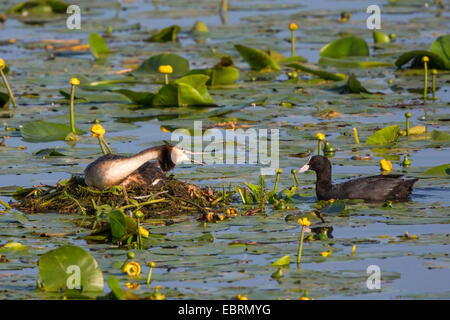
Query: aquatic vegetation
(345, 47)
(320, 137)
(132, 268)
(386, 166)
(6, 83)
(293, 27)
(425, 61)
(149, 275)
(407, 116)
(433, 83)
(166, 70)
(257, 59)
(355, 135)
(168, 34)
(304, 222)
(98, 132)
(98, 46)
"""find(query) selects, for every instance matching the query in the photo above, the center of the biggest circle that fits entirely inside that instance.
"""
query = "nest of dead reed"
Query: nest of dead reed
(170, 198)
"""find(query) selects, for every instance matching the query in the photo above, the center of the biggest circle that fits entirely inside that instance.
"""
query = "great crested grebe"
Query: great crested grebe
(372, 189)
(111, 169)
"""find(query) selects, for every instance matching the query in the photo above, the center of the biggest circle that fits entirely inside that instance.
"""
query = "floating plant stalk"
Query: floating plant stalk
(74, 82)
(425, 61)
(294, 173)
(279, 172)
(149, 276)
(224, 11)
(304, 223)
(320, 137)
(98, 131)
(138, 216)
(407, 116)
(433, 83)
(355, 135)
(293, 27)
(5, 81)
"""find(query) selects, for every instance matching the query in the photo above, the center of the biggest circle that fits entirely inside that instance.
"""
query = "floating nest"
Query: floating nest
(171, 198)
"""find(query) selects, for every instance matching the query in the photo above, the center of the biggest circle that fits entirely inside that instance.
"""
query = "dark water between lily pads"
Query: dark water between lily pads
(239, 259)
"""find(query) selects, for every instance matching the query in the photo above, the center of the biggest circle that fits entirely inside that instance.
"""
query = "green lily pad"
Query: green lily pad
(439, 55)
(49, 152)
(353, 62)
(40, 7)
(43, 131)
(257, 59)
(187, 91)
(218, 75)
(355, 86)
(118, 224)
(168, 34)
(4, 100)
(317, 72)
(283, 261)
(384, 136)
(334, 208)
(150, 66)
(380, 37)
(98, 45)
(58, 267)
(139, 98)
(440, 136)
(442, 170)
(345, 47)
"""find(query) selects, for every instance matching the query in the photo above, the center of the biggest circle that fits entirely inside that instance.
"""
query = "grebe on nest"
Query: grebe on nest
(111, 169)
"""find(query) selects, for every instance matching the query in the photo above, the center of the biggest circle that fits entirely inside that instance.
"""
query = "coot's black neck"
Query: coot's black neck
(323, 184)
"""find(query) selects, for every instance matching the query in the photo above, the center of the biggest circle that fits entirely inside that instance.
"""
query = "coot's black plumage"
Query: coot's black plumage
(372, 189)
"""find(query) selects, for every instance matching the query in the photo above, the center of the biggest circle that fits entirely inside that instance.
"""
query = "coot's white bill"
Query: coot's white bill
(304, 168)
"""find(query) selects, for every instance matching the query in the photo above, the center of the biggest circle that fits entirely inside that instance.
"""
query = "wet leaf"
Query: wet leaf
(257, 59)
(150, 66)
(442, 170)
(384, 136)
(317, 72)
(59, 267)
(345, 47)
(4, 100)
(43, 131)
(139, 98)
(380, 37)
(98, 45)
(283, 261)
(166, 35)
(118, 224)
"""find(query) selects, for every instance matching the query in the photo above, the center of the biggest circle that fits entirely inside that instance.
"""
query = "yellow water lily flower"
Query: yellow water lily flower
(320, 136)
(165, 69)
(241, 297)
(132, 268)
(293, 26)
(304, 222)
(144, 232)
(425, 59)
(2, 64)
(386, 165)
(132, 286)
(74, 81)
(354, 249)
(97, 130)
(325, 253)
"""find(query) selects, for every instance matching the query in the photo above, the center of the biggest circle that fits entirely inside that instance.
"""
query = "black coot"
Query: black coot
(374, 188)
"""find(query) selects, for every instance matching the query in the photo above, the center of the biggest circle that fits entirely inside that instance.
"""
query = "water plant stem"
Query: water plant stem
(425, 86)
(72, 116)
(149, 276)
(319, 147)
(293, 43)
(355, 135)
(101, 144)
(242, 196)
(5, 81)
(7, 207)
(300, 247)
(433, 83)
(166, 78)
(294, 173)
(106, 145)
(279, 172)
(407, 116)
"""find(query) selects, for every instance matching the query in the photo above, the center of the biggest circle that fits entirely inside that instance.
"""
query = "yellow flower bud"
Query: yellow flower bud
(320, 136)
(144, 232)
(425, 59)
(2, 64)
(385, 165)
(165, 69)
(74, 81)
(241, 297)
(293, 26)
(97, 130)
